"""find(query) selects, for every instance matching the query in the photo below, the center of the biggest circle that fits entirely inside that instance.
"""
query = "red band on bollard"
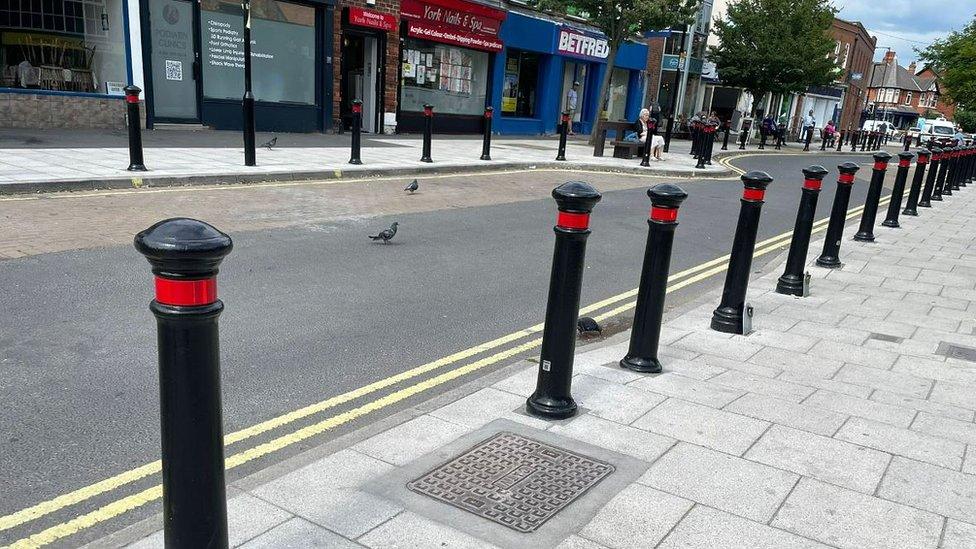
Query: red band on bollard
(132, 98)
(881, 165)
(902, 163)
(570, 220)
(847, 178)
(663, 214)
(356, 109)
(753, 194)
(922, 159)
(186, 293)
(487, 114)
(814, 184)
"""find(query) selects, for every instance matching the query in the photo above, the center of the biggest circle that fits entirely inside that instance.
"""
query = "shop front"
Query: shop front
(543, 59)
(193, 63)
(447, 55)
(362, 59)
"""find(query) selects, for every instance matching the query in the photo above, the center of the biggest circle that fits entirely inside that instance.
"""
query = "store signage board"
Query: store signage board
(425, 31)
(453, 16)
(372, 19)
(584, 46)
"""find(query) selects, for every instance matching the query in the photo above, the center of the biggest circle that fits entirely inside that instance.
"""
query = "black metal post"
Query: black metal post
(809, 138)
(667, 132)
(744, 134)
(940, 187)
(247, 103)
(763, 135)
(840, 140)
(864, 140)
(486, 140)
(648, 139)
(136, 163)
(865, 232)
(928, 191)
(357, 128)
(855, 137)
(646, 331)
(968, 173)
(898, 190)
(955, 163)
(907, 142)
(725, 138)
(728, 316)
(780, 136)
(710, 129)
(185, 255)
(428, 130)
(552, 397)
(791, 283)
(563, 130)
(696, 133)
(830, 257)
(911, 206)
(823, 139)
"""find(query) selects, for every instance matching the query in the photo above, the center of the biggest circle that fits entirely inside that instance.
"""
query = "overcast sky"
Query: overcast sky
(904, 24)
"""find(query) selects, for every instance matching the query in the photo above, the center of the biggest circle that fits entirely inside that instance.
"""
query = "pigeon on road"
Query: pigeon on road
(413, 186)
(271, 143)
(386, 234)
(586, 325)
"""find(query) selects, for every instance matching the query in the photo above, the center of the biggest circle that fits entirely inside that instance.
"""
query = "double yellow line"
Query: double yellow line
(609, 307)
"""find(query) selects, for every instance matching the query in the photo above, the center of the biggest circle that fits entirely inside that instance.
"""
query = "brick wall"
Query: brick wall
(41, 111)
(392, 55)
(655, 55)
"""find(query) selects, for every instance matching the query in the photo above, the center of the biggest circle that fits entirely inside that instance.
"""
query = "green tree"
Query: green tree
(623, 19)
(778, 46)
(953, 58)
(966, 120)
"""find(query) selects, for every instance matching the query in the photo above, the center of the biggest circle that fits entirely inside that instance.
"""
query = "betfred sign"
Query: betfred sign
(372, 19)
(454, 22)
(586, 46)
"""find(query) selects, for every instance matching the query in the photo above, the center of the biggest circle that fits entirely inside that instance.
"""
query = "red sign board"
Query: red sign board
(454, 22)
(372, 19)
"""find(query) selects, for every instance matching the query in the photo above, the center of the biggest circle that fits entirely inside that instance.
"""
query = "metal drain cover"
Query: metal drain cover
(513, 480)
(956, 351)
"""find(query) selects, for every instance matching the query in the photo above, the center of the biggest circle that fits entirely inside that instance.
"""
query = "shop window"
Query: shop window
(282, 51)
(521, 84)
(63, 45)
(617, 104)
(454, 80)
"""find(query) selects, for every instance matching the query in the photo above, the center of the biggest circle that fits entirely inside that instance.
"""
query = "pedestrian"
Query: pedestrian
(809, 124)
(829, 131)
(572, 101)
(641, 130)
(959, 138)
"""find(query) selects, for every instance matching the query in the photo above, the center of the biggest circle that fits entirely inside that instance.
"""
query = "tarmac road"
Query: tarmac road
(312, 312)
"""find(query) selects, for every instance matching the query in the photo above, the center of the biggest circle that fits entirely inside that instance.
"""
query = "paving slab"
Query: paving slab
(300, 534)
(697, 424)
(701, 392)
(707, 528)
(958, 535)
(903, 442)
(784, 412)
(929, 487)
(860, 407)
(637, 513)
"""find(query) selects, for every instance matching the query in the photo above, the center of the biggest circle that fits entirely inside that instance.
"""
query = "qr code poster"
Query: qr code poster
(174, 70)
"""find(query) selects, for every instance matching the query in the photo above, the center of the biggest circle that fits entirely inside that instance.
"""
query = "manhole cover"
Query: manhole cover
(956, 351)
(886, 337)
(513, 480)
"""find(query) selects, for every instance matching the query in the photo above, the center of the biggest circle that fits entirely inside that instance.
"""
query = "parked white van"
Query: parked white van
(940, 129)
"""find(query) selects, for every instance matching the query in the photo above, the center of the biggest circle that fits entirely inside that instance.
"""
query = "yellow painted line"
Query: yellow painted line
(704, 271)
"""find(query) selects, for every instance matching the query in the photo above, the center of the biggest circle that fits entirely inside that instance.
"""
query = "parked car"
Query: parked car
(940, 130)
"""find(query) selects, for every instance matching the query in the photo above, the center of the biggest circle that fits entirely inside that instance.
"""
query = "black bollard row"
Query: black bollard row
(706, 142)
(793, 281)
(428, 130)
(563, 131)
(898, 190)
(865, 232)
(911, 206)
(728, 317)
(830, 257)
(646, 333)
(185, 255)
(357, 128)
(552, 397)
(486, 140)
(136, 163)
(939, 190)
(928, 192)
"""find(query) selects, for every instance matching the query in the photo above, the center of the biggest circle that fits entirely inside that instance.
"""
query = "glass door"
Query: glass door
(173, 58)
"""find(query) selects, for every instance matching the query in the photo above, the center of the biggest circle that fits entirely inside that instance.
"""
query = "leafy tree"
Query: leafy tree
(622, 19)
(953, 58)
(966, 120)
(778, 46)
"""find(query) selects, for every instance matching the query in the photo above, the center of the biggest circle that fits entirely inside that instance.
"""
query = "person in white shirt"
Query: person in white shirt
(572, 100)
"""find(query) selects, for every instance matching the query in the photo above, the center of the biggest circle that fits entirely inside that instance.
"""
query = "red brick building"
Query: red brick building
(854, 52)
(901, 96)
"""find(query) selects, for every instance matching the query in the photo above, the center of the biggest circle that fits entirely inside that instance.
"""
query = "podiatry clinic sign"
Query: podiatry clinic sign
(574, 43)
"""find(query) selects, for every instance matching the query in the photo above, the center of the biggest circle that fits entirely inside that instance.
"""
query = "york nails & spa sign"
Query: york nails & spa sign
(454, 22)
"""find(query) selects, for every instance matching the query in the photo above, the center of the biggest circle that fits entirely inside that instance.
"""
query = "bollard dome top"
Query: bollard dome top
(882, 156)
(924, 152)
(576, 196)
(666, 195)
(132, 90)
(848, 168)
(936, 150)
(756, 180)
(183, 248)
(815, 172)
(904, 155)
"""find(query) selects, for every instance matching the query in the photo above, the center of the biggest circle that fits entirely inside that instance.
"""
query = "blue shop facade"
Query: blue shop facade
(540, 61)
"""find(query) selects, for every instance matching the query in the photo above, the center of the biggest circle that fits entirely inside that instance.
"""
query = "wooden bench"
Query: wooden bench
(600, 132)
(626, 149)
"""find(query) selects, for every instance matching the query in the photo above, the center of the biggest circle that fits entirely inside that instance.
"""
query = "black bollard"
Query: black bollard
(928, 192)
(706, 139)
(728, 316)
(864, 140)
(780, 136)
(865, 232)
(185, 255)
(907, 142)
(667, 133)
(854, 139)
(940, 187)
(646, 331)
(830, 257)
(710, 130)
(840, 140)
(428, 130)
(967, 175)
(898, 190)
(563, 130)
(696, 133)
(808, 140)
(725, 138)
(552, 397)
(792, 281)
(648, 139)
(823, 140)
(743, 135)
(954, 166)
(357, 128)
(911, 206)
(136, 163)
(763, 135)
(486, 140)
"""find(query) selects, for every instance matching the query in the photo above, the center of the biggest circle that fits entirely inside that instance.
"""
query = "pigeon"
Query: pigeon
(586, 325)
(271, 143)
(413, 186)
(386, 234)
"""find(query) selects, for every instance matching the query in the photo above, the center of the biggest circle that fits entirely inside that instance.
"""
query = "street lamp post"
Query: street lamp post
(674, 93)
(249, 152)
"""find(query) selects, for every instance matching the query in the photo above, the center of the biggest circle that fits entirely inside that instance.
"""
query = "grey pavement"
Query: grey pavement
(860, 436)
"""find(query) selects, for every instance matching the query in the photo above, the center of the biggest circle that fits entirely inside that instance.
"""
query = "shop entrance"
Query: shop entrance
(361, 62)
(174, 61)
(574, 72)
